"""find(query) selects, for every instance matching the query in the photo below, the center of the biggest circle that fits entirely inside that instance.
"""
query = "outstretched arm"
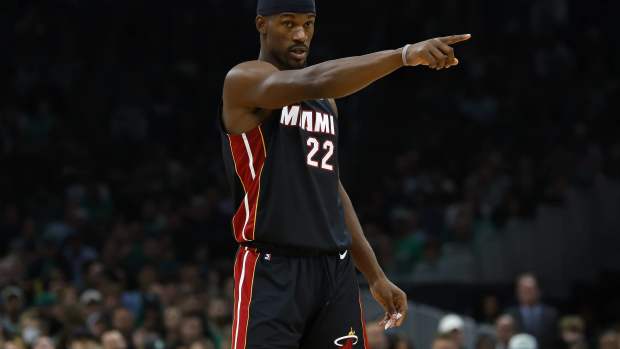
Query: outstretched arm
(391, 298)
(258, 84)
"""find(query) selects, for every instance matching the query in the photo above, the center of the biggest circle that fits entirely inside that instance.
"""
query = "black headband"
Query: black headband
(272, 7)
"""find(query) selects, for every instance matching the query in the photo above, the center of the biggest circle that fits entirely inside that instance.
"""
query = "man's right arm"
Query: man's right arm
(259, 84)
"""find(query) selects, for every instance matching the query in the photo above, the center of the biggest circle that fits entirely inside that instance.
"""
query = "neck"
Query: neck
(268, 57)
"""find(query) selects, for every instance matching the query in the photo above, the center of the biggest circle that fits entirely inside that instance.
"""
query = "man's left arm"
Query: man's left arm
(391, 298)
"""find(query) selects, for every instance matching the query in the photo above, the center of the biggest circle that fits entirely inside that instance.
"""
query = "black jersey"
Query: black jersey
(284, 176)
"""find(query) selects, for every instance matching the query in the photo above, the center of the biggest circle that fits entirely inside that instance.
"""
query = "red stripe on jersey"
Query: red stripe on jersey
(249, 153)
(366, 346)
(245, 265)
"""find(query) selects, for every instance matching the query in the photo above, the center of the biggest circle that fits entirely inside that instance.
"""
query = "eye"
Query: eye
(309, 24)
(288, 24)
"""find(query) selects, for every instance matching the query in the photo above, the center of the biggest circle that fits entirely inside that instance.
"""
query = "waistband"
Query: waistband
(289, 251)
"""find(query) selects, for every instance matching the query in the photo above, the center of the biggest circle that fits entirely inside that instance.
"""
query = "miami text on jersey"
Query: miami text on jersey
(310, 120)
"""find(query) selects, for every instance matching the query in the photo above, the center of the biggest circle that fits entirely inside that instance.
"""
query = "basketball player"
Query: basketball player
(295, 282)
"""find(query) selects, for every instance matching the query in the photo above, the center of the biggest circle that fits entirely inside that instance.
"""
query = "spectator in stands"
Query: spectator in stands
(123, 321)
(428, 269)
(523, 341)
(409, 238)
(532, 316)
(44, 342)
(444, 341)
(504, 330)
(31, 327)
(489, 310)
(572, 332)
(192, 329)
(172, 325)
(399, 341)
(609, 340)
(12, 301)
(91, 300)
(113, 340)
(202, 344)
(377, 339)
(82, 340)
(218, 311)
(14, 344)
(457, 262)
(452, 325)
(485, 342)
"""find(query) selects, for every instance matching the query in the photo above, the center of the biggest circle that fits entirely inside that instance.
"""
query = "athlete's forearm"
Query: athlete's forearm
(342, 77)
(363, 255)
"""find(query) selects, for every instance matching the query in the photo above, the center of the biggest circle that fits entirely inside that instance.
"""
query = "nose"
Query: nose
(299, 35)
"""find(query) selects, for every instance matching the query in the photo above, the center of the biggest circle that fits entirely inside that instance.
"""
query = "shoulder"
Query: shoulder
(249, 70)
(243, 79)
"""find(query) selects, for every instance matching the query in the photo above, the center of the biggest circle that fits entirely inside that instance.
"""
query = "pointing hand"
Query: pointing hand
(434, 53)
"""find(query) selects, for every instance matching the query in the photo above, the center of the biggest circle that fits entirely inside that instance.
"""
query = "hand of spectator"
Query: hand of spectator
(392, 299)
(435, 53)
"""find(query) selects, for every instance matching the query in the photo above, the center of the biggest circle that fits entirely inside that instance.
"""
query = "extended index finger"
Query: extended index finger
(453, 39)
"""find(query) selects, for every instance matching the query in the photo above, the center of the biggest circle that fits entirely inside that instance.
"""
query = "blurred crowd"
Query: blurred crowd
(114, 212)
(529, 324)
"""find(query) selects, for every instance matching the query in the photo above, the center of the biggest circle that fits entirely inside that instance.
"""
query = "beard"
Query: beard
(287, 62)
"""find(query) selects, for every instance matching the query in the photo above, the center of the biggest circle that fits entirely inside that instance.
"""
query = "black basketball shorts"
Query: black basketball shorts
(284, 302)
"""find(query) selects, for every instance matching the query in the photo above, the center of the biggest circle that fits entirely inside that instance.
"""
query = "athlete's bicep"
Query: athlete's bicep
(259, 84)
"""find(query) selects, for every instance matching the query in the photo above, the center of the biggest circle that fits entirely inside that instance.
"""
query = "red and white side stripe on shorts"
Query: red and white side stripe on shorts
(245, 265)
(249, 153)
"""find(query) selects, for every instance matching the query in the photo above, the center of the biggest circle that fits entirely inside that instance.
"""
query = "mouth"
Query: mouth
(298, 53)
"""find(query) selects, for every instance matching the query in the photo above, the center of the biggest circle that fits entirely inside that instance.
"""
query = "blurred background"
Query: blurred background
(115, 213)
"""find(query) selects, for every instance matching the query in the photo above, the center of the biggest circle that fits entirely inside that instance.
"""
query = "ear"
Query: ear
(261, 24)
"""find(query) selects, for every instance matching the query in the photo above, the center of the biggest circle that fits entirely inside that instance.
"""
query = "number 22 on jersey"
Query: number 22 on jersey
(314, 146)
